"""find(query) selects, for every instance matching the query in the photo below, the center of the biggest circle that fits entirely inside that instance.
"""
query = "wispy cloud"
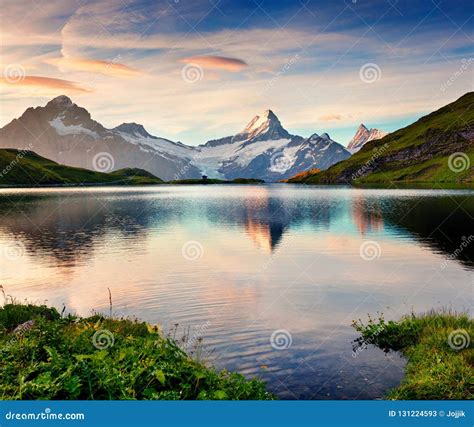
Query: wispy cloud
(306, 68)
(45, 82)
(219, 62)
(110, 68)
(333, 116)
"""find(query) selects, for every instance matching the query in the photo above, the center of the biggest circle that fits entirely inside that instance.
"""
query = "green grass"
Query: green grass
(429, 171)
(57, 359)
(438, 365)
(26, 168)
(418, 153)
(218, 181)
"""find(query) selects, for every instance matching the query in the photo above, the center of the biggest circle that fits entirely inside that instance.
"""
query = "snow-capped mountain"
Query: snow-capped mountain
(64, 132)
(137, 135)
(265, 150)
(362, 136)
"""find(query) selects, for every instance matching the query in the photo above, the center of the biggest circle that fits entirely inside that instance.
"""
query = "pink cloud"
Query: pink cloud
(45, 82)
(111, 68)
(333, 116)
(220, 62)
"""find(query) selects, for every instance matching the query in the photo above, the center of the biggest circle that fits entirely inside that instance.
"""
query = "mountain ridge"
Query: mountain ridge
(66, 133)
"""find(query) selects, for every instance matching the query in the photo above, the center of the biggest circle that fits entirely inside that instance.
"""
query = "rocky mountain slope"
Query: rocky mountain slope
(439, 147)
(265, 150)
(65, 133)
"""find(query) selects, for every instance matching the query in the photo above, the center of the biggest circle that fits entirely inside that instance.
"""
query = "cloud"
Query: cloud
(320, 92)
(110, 68)
(220, 62)
(329, 117)
(44, 82)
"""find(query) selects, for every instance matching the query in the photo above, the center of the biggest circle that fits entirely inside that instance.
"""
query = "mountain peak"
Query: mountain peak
(270, 115)
(264, 127)
(133, 128)
(258, 121)
(61, 101)
(362, 136)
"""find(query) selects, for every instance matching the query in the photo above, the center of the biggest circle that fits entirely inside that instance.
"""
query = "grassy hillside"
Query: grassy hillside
(421, 152)
(301, 176)
(45, 355)
(26, 168)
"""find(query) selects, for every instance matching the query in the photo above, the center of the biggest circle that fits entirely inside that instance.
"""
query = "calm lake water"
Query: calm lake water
(269, 276)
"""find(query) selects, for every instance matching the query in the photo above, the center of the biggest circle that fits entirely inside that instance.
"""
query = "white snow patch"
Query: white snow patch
(288, 155)
(158, 144)
(63, 130)
(210, 159)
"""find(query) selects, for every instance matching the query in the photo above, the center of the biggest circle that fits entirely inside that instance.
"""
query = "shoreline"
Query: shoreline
(64, 357)
(74, 350)
(438, 349)
(389, 186)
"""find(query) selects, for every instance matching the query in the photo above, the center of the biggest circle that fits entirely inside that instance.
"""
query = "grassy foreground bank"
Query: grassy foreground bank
(439, 351)
(44, 355)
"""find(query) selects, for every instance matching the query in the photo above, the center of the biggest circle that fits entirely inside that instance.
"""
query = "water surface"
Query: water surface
(234, 264)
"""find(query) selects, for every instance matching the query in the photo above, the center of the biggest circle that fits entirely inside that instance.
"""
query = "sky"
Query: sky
(195, 70)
